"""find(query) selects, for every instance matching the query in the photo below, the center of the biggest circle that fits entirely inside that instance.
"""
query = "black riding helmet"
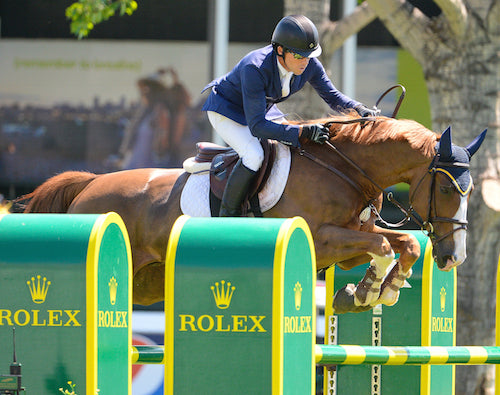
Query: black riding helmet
(298, 34)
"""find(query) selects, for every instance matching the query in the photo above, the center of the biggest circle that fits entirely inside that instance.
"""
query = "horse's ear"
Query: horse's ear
(476, 143)
(445, 147)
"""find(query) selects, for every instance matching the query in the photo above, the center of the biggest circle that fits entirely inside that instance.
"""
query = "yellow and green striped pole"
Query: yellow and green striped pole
(368, 355)
(409, 355)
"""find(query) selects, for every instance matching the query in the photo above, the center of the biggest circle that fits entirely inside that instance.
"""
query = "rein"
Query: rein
(410, 213)
(400, 100)
(425, 226)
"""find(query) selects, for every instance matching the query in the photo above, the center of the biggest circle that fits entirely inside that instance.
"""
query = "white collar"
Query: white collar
(283, 72)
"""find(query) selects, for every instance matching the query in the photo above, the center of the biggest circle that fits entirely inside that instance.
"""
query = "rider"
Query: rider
(241, 104)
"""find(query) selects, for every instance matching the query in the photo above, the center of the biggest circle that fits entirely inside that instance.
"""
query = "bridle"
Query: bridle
(427, 226)
(410, 214)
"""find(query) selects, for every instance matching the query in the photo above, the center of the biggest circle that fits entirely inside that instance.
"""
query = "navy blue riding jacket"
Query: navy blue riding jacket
(249, 92)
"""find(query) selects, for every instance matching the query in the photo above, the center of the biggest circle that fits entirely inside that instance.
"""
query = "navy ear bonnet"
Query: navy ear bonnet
(458, 170)
(453, 161)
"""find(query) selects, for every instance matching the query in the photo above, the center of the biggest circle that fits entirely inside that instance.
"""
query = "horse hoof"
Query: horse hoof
(388, 298)
(360, 309)
(343, 301)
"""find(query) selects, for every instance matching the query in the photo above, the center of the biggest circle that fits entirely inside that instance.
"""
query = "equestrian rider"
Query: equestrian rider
(241, 105)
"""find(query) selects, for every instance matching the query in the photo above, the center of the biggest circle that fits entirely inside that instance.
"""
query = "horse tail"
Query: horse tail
(56, 194)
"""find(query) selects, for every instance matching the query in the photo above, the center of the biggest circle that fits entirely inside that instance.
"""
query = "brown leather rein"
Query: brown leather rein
(410, 213)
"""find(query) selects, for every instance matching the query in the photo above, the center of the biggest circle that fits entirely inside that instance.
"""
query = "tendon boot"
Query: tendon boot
(236, 189)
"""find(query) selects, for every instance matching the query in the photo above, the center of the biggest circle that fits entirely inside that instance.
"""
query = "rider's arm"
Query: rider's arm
(254, 104)
(325, 88)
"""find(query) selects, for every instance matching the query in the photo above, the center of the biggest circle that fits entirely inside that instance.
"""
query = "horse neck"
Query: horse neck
(387, 163)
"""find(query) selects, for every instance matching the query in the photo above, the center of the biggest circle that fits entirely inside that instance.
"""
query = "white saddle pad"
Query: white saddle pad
(195, 195)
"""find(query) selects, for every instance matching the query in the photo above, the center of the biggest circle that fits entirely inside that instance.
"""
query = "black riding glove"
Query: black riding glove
(364, 111)
(317, 133)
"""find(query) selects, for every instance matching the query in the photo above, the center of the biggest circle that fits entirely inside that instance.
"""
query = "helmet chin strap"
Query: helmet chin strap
(282, 56)
(284, 63)
(276, 46)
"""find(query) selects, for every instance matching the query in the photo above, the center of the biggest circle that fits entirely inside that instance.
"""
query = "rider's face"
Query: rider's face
(291, 63)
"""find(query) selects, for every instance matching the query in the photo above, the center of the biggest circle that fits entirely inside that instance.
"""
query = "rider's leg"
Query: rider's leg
(236, 189)
(251, 155)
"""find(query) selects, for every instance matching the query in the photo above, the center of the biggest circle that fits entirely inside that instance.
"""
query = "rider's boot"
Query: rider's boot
(236, 189)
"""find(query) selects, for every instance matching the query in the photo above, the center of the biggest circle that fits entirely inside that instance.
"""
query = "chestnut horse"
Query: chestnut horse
(336, 187)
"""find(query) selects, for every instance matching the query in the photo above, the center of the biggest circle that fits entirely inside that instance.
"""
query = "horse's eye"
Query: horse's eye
(446, 189)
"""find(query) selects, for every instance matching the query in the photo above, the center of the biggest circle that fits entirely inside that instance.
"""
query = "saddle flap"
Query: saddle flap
(223, 164)
(198, 201)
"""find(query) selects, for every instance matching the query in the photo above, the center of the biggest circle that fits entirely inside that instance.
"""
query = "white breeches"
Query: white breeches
(240, 138)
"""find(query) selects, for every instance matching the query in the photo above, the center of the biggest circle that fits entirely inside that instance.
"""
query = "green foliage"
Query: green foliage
(85, 14)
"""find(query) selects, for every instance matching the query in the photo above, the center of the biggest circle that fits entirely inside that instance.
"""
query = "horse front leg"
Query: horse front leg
(350, 248)
(368, 290)
(408, 247)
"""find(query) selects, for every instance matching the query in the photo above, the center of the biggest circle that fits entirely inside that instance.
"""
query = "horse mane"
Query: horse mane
(382, 129)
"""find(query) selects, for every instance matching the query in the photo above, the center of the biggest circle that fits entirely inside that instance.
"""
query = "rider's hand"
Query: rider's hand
(317, 133)
(364, 111)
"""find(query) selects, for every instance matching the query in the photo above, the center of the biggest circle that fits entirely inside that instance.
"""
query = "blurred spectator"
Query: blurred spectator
(157, 128)
(178, 102)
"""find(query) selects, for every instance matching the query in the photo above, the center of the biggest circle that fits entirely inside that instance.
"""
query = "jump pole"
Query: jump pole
(369, 355)
(409, 355)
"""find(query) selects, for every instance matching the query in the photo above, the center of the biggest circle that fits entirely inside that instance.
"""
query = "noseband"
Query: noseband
(427, 225)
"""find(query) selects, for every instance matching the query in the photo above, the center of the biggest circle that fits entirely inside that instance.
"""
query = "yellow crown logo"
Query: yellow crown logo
(38, 290)
(442, 294)
(298, 295)
(113, 285)
(223, 294)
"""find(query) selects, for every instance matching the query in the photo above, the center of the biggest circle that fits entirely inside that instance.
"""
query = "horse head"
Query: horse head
(449, 185)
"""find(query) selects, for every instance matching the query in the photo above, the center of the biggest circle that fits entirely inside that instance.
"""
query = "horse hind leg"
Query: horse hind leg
(149, 284)
(363, 296)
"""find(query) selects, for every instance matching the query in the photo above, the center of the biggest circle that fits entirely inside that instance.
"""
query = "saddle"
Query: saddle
(222, 160)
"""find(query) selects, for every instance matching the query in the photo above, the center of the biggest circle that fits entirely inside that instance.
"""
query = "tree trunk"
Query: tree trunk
(463, 88)
(459, 52)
